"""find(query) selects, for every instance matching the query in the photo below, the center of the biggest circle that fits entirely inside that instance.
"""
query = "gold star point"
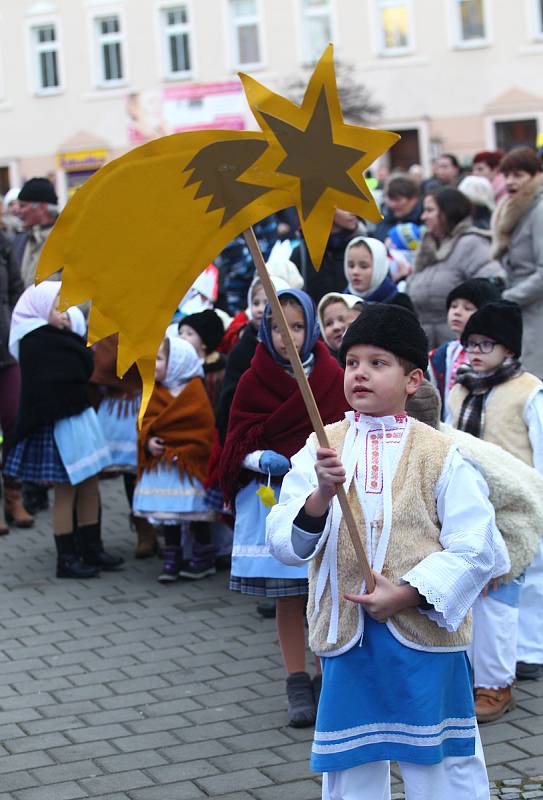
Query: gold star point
(312, 147)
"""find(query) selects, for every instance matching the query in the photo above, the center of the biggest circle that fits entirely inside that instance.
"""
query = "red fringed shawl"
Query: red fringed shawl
(268, 412)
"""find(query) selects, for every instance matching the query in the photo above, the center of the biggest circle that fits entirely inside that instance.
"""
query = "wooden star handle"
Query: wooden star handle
(308, 399)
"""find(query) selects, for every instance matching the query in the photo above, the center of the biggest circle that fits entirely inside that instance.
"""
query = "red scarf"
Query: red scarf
(268, 412)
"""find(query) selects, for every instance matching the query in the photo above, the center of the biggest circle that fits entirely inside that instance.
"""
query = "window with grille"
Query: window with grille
(110, 49)
(46, 58)
(246, 33)
(471, 20)
(176, 40)
(394, 26)
(317, 28)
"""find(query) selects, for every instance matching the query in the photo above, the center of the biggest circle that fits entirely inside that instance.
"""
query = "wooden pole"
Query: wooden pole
(308, 399)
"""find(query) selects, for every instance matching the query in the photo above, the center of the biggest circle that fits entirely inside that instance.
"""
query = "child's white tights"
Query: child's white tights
(451, 779)
(493, 651)
(530, 625)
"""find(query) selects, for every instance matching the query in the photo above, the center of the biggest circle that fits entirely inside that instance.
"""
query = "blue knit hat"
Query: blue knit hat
(405, 236)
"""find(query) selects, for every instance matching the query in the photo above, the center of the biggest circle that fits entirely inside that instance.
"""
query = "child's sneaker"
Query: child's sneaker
(201, 563)
(170, 565)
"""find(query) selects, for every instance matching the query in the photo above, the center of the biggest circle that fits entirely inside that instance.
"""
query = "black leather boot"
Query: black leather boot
(69, 563)
(89, 541)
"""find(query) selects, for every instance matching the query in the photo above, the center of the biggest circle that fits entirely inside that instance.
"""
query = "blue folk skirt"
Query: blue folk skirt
(82, 446)
(163, 496)
(385, 701)
(118, 420)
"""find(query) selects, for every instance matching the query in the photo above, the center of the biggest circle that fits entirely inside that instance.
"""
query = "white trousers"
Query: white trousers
(530, 625)
(493, 651)
(452, 779)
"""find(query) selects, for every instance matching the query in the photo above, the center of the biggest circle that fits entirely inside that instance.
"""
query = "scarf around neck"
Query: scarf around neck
(479, 385)
(268, 412)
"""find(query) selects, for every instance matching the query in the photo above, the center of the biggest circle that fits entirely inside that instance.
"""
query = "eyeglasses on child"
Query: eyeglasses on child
(486, 346)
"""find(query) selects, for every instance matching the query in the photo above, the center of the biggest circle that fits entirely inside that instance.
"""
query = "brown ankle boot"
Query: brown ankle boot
(491, 704)
(147, 545)
(15, 511)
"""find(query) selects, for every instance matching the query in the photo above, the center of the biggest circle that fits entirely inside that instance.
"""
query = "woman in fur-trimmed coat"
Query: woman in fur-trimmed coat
(517, 240)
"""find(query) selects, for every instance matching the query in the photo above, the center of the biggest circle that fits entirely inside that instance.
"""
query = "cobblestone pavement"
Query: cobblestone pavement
(122, 688)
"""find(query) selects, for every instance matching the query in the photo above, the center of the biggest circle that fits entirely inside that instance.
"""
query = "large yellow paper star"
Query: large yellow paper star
(314, 155)
(136, 256)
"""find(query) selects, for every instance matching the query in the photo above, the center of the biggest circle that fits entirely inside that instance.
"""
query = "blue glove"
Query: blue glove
(274, 463)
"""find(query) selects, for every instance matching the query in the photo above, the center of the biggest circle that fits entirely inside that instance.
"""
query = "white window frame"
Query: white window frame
(232, 26)
(456, 40)
(379, 35)
(303, 14)
(188, 28)
(33, 49)
(98, 14)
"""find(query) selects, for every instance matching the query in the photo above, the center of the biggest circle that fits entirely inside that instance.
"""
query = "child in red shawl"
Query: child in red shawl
(268, 423)
(174, 446)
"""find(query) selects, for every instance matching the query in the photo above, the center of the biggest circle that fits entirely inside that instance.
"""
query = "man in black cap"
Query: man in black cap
(37, 207)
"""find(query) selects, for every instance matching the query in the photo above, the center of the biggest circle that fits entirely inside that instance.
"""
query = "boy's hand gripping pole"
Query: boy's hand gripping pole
(308, 399)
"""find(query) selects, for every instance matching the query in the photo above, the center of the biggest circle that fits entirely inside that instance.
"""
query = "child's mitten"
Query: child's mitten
(274, 463)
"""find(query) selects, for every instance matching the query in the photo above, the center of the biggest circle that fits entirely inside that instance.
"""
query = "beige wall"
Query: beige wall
(450, 94)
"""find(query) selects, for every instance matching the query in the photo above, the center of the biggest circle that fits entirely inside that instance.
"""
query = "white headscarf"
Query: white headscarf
(183, 364)
(31, 312)
(77, 321)
(380, 263)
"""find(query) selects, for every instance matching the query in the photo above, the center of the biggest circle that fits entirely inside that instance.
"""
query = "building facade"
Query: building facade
(82, 81)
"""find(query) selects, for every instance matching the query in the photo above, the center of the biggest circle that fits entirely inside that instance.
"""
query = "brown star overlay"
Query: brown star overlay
(315, 145)
(217, 168)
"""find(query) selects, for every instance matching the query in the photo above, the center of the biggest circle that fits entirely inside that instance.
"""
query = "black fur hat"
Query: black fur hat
(391, 328)
(209, 327)
(501, 321)
(478, 291)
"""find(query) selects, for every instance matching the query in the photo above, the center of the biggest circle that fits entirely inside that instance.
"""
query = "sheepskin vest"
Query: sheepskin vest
(504, 414)
(414, 535)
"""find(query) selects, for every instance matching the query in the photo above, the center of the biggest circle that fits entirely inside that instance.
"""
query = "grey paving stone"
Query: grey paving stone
(37, 742)
(23, 761)
(76, 752)
(255, 758)
(56, 724)
(250, 741)
(12, 781)
(103, 785)
(295, 771)
(186, 771)
(193, 752)
(502, 752)
(217, 714)
(213, 730)
(299, 790)
(151, 724)
(132, 743)
(98, 733)
(233, 781)
(129, 761)
(174, 791)
(62, 791)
